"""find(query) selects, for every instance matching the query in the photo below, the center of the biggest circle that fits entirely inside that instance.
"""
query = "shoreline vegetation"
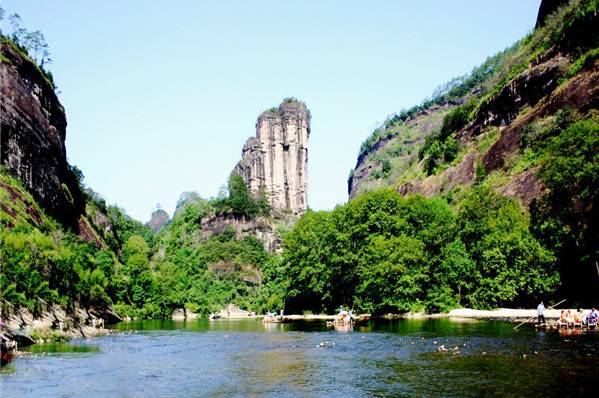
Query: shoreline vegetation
(382, 252)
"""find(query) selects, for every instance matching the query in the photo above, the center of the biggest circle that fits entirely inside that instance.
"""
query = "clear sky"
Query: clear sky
(161, 95)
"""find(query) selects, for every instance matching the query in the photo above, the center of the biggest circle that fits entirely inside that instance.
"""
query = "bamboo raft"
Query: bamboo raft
(554, 325)
(271, 319)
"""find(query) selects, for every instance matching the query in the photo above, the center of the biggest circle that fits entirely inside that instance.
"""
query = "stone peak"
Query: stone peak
(290, 107)
(276, 158)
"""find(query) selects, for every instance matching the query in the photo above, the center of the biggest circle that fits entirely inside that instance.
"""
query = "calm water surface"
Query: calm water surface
(246, 358)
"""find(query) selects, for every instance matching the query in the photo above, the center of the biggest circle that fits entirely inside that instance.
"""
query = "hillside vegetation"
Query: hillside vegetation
(483, 196)
(425, 140)
(526, 129)
(127, 267)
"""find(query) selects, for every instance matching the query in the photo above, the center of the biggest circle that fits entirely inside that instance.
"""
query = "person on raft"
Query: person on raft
(562, 319)
(540, 311)
(593, 317)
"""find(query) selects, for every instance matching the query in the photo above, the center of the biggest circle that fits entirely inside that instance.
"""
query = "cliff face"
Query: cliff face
(276, 160)
(544, 80)
(399, 146)
(260, 228)
(537, 93)
(32, 137)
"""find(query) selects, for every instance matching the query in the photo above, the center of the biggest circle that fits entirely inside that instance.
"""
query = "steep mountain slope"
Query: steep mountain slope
(528, 129)
(32, 139)
(392, 152)
(433, 150)
(61, 246)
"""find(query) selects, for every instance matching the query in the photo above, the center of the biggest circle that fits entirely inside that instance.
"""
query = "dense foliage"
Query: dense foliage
(40, 261)
(384, 253)
(138, 273)
(567, 149)
(56, 269)
(240, 202)
(188, 269)
(441, 146)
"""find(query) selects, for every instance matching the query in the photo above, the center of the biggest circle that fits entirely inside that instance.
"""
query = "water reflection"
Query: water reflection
(57, 348)
(249, 358)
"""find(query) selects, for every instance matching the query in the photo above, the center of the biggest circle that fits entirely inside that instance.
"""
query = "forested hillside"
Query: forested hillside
(483, 196)
(524, 124)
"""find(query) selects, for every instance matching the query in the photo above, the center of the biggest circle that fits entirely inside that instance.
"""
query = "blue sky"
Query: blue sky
(161, 95)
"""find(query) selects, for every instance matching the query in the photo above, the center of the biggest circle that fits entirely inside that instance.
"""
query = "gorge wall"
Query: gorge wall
(32, 137)
(275, 161)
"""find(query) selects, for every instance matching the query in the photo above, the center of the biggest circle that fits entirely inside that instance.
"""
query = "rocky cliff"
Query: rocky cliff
(397, 147)
(32, 137)
(554, 68)
(275, 161)
(158, 220)
(261, 228)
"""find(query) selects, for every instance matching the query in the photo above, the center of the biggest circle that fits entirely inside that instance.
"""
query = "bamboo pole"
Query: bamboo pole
(531, 318)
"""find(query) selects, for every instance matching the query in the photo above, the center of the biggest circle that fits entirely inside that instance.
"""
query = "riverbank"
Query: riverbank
(54, 323)
(506, 314)
(502, 314)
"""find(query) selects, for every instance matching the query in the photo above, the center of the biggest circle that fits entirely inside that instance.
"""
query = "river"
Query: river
(306, 359)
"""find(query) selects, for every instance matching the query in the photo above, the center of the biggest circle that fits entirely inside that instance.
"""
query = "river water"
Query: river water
(306, 359)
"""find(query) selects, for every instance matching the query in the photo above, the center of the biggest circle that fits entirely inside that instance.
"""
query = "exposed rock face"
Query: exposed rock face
(546, 8)
(409, 136)
(259, 228)
(461, 174)
(580, 93)
(32, 138)
(77, 322)
(552, 80)
(276, 160)
(527, 89)
(245, 272)
(525, 187)
(159, 218)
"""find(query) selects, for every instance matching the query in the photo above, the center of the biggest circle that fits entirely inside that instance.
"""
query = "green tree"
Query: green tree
(565, 217)
(307, 256)
(512, 264)
(137, 271)
(392, 275)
